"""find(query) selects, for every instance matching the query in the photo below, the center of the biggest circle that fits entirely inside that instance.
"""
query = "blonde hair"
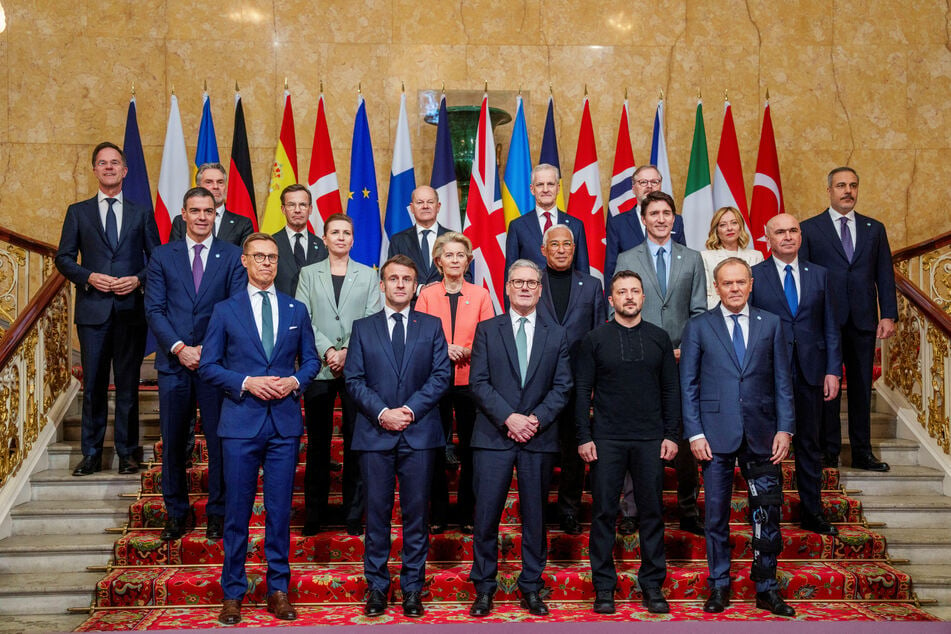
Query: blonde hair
(446, 238)
(713, 239)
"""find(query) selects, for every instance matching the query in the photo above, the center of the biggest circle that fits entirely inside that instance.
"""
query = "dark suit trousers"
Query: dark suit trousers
(571, 482)
(809, 405)
(615, 458)
(319, 412)
(380, 470)
(177, 393)
(493, 470)
(858, 353)
(688, 482)
(458, 400)
(119, 342)
(242, 458)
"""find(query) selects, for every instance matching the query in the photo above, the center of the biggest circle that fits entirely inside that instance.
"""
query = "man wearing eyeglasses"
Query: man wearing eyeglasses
(626, 231)
(296, 245)
(228, 226)
(520, 379)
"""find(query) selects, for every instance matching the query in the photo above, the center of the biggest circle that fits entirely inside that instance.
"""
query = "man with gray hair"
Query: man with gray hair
(417, 241)
(229, 226)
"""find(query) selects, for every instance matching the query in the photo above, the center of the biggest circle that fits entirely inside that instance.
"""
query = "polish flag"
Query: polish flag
(174, 175)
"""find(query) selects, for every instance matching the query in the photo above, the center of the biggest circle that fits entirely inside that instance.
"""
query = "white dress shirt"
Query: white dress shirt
(529, 329)
(390, 322)
(781, 269)
(744, 322)
(116, 207)
(837, 223)
(540, 216)
(256, 304)
(219, 213)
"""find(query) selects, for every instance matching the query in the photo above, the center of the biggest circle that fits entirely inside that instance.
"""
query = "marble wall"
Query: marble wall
(858, 82)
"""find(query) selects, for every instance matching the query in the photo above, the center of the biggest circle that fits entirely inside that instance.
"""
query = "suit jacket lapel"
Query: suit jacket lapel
(250, 325)
(756, 326)
(546, 294)
(538, 348)
(675, 264)
(181, 259)
(313, 248)
(382, 330)
(348, 282)
(574, 292)
(861, 236)
(412, 337)
(326, 285)
(128, 209)
(720, 329)
(636, 226)
(833, 234)
(282, 326)
(775, 285)
(508, 336)
(648, 265)
(213, 268)
(93, 211)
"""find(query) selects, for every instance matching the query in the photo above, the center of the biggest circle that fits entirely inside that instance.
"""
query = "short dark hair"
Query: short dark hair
(107, 145)
(296, 187)
(257, 236)
(196, 192)
(336, 217)
(620, 275)
(654, 197)
(843, 168)
(402, 260)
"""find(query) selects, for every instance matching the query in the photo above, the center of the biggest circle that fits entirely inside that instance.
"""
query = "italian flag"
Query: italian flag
(697, 208)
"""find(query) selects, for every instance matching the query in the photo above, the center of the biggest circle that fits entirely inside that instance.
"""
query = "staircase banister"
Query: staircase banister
(30, 315)
(26, 242)
(921, 248)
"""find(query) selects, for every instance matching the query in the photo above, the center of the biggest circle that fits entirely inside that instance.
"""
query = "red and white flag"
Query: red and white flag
(174, 175)
(485, 219)
(728, 187)
(621, 198)
(585, 201)
(767, 186)
(322, 176)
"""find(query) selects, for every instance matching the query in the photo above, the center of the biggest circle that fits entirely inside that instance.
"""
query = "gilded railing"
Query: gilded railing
(24, 265)
(917, 361)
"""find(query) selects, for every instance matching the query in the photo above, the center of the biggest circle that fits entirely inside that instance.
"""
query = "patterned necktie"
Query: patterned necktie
(299, 255)
(398, 338)
(198, 269)
(112, 224)
(424, 247)
(739, 347)
(521, 346)
(789, 287)
(267, 324)
(662, 272)
(547, 215)
(846, 235)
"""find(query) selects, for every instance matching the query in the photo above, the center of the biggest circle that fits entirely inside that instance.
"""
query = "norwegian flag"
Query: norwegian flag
(621, 197)
(322, 176)
(485, 219)
(585, 201)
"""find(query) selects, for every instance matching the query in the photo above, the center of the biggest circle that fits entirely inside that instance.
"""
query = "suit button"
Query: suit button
(338, 338)
(337, 317)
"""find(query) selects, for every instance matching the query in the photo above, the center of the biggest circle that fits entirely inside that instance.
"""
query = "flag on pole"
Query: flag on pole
(585, 201)
(485, 218)
(728, 187)
(549, 151)
(322, 176)
(207, 149)
(517, 197)
(443, 179)
(622, 198)
(402, 184)
(135, 187)
(283, 170)
(659, 150)
(363, 199)
(767, 186)
(698, 197)
(174, 177)
(240, 198)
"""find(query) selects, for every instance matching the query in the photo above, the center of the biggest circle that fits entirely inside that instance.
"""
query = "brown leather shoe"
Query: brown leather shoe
(230, 612)
(278, 605)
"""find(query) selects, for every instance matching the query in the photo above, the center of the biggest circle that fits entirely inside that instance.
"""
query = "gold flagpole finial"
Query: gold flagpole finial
(133, 89)
(661, 94)
(402, 87)
(359, 87)
(486, 87)
(285, 82)
(520, 90)
(205, 86)
(586, 90)
(767, 93)
(236, 89)
(321, 86)
(625, 93)
(726, 95)
(173, 89)
(444, 87)
(551, 92)
(699, 95)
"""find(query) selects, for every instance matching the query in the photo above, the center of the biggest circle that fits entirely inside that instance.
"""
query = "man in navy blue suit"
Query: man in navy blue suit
(575, 301)
(524, 238)
(626, 231)
(738, 405)
(397, 370)
(104, 249)
(798, 292)
(259, 349)
(228, 226)
(854, 249)
(186, 279)
(520, 379)
(417, 241)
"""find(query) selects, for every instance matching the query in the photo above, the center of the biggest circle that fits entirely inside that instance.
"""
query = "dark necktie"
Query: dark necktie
(267, 324)
(299, 256)
(846, 235)
(739, 347)
(789, 287)
(398, 338)
(547, 215)
(112, 224)
(521, 346)
(198, 268)
(661, 272)
(424, 247)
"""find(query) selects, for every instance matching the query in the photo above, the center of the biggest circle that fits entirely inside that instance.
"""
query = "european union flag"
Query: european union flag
(363, 204)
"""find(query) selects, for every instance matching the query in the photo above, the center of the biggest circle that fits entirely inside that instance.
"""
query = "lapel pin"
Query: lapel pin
(758, 318)
(678, 257)
(805, 268)
(580, 283)
(217, 255)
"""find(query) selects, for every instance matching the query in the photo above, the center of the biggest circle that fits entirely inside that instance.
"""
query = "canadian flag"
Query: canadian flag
(585, 201)
(322, 176)
(767, 186)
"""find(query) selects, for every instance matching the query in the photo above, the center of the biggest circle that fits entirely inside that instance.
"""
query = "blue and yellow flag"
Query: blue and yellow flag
(517, 197)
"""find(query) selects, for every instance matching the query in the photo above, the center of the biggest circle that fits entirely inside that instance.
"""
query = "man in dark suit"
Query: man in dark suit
(854, 249)
(520, 379)
(738, 405)
(296, 246)
(626, 231)
(799, 293)
(186, 279)
(104, 249)
(524, 238)
(575, 301)
(397, 370)
(259, 349)
(417, 241)
(229, 226)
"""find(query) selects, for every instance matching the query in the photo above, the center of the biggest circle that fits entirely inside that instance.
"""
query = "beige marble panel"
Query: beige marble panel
(871, 80)
(503, 22)
(250, 20)
(928, 194)
(794, 22)
(345, 21)
(885, 188)
(803, 174)
(889, 22)
(46, 18)
(143, 18)
(428, 23)
(928, 86)
(4, 90)
(613, 22)
(725, 23)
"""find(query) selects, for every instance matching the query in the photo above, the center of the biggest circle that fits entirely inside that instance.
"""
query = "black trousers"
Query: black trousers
(571, 484)
(809, 406)
(459, 401)
(642, 459)
(688, 483)
(858, 353)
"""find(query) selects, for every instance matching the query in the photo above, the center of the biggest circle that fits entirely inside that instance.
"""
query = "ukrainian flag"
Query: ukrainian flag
(517, 198)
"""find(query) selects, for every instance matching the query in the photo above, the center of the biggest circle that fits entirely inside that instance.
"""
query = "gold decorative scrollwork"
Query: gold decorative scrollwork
(904, 362)
(56, 349)
(939, 426)
(11, 447)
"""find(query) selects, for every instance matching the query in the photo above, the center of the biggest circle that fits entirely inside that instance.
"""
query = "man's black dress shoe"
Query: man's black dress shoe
(88, 466)
(412, 604)
(654, 601)
(354, 528)
(770, 600)
(628, 525)
(482, 606)
(718, 600)
(376, 603)
(215, 528)
(603, 602)
(310, 528)
(818, 524)
(830, 461)
(174, 529)
(692, 525)
(128, 465)
(570, 526)
(437, 528)
(869, 462)
(532, 602)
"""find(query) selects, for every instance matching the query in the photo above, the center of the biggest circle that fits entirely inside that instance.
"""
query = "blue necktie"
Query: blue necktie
(789, 287)
(846, 236)
(521, 346)
(424, 247)
(661, 272)
(112, 225)
(399, 338)
(267, 324)
(739, 347)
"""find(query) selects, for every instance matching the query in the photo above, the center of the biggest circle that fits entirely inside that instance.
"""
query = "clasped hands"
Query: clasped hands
(396, 419)
(522, 427)
(781, 441)
(269, 388)
(116, 285)
(589, 451)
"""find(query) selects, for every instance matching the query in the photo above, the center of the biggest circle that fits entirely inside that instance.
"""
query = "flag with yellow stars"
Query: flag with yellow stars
(363, 202)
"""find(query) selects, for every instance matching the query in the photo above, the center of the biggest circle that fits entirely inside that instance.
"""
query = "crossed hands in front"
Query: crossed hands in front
(521, 427)
(269, 388)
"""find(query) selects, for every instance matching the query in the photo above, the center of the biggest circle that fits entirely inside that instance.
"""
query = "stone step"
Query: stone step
(883, 425)
(148, 402)
(918, 545)
(66, 454)
(45, 592)
(52, 553)
(20, 623)
(908, 511)
(69, 517)
(61, 484)
(943, 612)
(930, 581)
(148, 427)
(908, 480)
(894, 451)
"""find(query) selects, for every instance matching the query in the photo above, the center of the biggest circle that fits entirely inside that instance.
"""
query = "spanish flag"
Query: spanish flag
(283, 170)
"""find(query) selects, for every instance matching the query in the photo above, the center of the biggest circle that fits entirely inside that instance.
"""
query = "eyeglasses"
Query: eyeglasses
(529, 284)
(644, 182)
(261, 257)
(555, 244)
(293, 206)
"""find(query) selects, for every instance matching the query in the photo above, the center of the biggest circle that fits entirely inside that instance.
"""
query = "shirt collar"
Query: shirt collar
(206, 242)
(726, 313)
(530, 317)
(420, 229)
(654, 247)
(219, 211)
(553, 211)
(836, 216)
(101, 197)
(291, 233)
(781, 266)
(254, 290)
(390, 312)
